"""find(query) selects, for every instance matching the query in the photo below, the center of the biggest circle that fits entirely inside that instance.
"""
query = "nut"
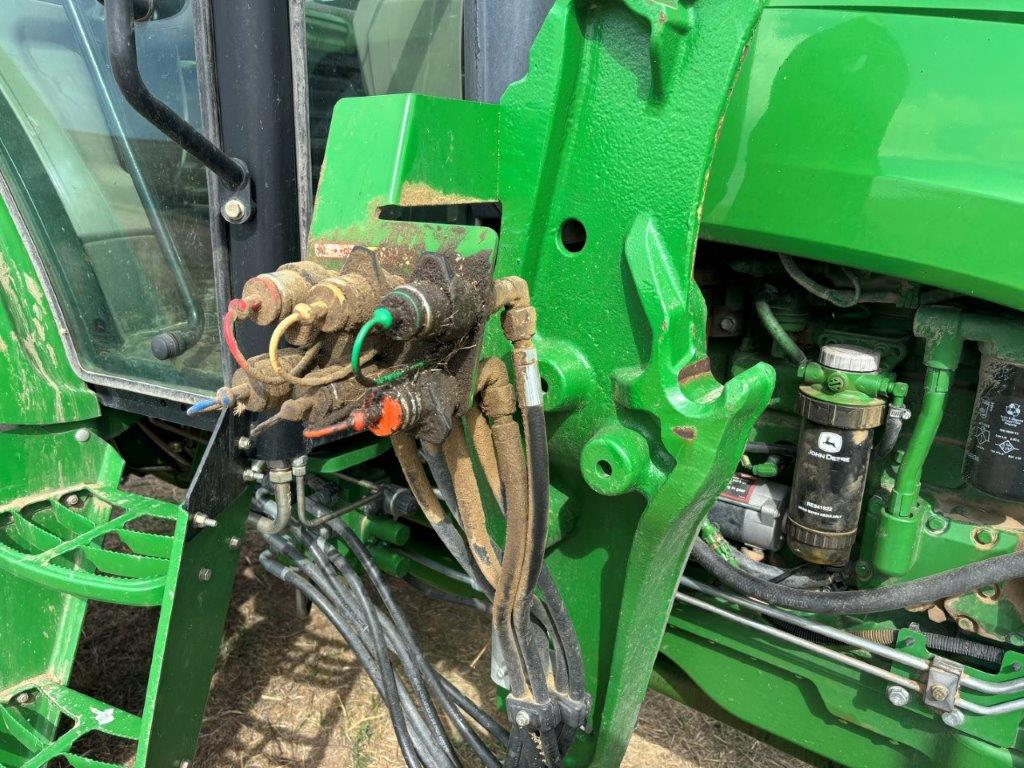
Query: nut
(205, 574)
(234, 542)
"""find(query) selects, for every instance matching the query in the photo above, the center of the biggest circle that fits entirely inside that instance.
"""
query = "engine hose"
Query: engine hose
(897, 597)
(778, 333)
(894, 419)
(933, 641)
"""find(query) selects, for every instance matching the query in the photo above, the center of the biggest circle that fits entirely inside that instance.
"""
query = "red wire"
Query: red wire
(342, 426)
(228, 329)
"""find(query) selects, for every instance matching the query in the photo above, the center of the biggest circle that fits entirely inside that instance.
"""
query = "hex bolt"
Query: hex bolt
(966, 623)
(23, 698)
(72, 500)
(205, 574)
(984, 537)
(199, 520)
(939, 692)
(245, 443)
(727, 323)
(522, 719)
(82, 435)
(954, 718)
(184, 764)
(234, 542)
(936, 524)
(897, 695)
(234, 210)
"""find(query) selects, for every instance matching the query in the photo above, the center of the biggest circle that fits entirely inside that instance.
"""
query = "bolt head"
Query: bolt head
(199, 520)
(82, 435)
(234, 542)
(897, 695)
(939, 692)
(23, 698)
(965, 623)
(72, 500)
(245, 443)
(727, 323)
(205, 574)
(953, 718)
(234, 210)
(522, 719)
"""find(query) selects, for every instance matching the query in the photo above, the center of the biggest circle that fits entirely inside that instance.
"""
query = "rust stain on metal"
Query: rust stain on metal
(695, 369)
(418, 193)
(686, 433)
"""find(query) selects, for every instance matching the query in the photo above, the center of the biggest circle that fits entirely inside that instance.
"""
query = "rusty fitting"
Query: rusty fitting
(273, 295)
(349, 299)
(510, 292)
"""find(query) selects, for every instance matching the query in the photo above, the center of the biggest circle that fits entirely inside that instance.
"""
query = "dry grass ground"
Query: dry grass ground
(289, 694)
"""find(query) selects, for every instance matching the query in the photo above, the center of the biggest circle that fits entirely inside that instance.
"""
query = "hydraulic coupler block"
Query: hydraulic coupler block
(994, 461)
(832, 455)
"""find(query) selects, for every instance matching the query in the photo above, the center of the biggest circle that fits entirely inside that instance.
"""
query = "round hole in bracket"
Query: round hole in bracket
(573, 235)
(604, 468)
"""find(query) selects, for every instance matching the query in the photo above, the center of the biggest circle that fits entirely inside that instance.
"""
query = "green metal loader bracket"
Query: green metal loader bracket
(598, 159)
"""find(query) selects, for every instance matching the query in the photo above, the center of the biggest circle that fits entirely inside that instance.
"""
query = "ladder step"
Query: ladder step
(87, 714)
(87, 552)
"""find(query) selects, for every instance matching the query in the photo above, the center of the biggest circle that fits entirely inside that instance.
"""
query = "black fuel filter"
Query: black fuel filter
(994, 459)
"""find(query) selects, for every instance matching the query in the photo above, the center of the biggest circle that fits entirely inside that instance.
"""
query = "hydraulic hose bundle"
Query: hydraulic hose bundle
(423, 337)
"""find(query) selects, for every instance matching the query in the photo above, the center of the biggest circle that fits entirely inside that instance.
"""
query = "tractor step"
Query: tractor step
(68, 536)
(27, 708)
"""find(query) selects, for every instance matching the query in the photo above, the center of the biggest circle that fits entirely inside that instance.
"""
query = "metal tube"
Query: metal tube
(300, 97)
(818, 628)
(780, 634)
(908, 477)
(847, 638)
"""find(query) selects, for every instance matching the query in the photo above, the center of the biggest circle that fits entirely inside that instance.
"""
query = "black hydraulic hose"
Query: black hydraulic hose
(894, 419)
(357, 547)
(897, 597)
(363, 654)
(166, 344)
(125, 65)
(406, 651)
(550, 614)
(446, 688)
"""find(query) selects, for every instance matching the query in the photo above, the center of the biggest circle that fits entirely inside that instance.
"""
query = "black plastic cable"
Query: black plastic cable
(376, 578)
(897, 597)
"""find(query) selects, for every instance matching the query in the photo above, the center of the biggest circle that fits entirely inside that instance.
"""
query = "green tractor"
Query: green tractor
(685, 336)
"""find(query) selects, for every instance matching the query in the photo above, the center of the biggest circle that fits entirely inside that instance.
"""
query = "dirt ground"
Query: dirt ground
(288, 693)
